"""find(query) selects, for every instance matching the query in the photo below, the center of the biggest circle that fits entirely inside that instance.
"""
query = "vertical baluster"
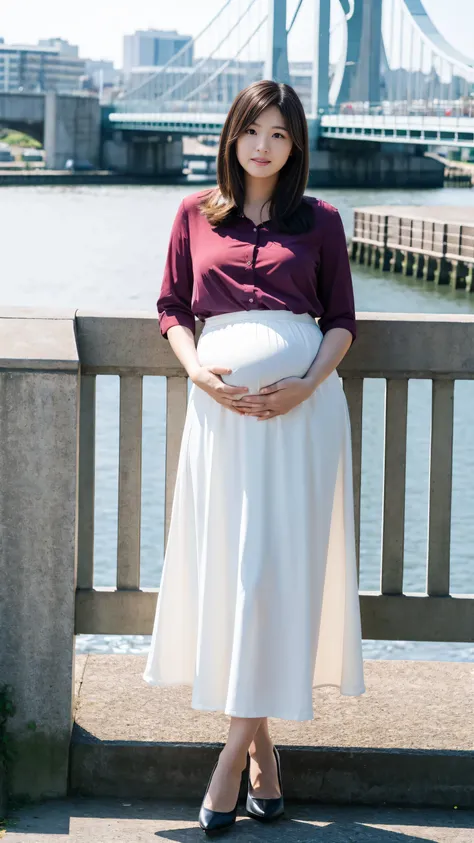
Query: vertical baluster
(394, 486)
(176, 403)
(441, 466)
(130, 481)
(85, 537)
(353, 389)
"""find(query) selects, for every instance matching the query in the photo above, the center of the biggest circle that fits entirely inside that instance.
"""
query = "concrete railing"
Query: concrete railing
(393, 347)
(49, 363)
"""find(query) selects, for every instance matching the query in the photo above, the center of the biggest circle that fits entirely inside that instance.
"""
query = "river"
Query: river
(103, 248)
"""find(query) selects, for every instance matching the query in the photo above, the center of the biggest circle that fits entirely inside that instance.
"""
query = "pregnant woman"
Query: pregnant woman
(259, 601)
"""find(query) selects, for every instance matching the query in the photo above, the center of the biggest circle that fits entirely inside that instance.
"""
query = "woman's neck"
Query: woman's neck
(258, 193)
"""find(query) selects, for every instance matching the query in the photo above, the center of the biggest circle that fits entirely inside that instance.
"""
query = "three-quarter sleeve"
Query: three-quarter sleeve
(174, 301)
(334, 282)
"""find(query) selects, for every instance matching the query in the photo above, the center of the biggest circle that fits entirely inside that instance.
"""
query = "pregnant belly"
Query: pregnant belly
(258, 354)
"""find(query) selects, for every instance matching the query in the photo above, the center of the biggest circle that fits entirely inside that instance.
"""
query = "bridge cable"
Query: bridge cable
(182, 50)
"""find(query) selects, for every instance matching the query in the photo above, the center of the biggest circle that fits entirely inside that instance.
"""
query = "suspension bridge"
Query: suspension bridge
(376, 70)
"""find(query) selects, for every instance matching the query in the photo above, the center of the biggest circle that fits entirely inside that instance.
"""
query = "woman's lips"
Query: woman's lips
(262, 162)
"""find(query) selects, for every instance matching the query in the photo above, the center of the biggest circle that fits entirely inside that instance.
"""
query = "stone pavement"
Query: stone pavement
(86, 820)
(407, 704)
(408, 740)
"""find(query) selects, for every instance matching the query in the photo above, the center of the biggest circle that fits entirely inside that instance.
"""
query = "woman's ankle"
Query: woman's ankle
(234, 760)
(261, 745)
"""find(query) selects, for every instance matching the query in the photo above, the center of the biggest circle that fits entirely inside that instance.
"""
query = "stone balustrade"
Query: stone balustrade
(49, 363)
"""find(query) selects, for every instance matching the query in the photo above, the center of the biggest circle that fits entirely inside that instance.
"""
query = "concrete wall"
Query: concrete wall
(367, 164)
(38, 465)
(142, 154)
(72, 129)
(24, 112)
(3, 790)
(67, 125)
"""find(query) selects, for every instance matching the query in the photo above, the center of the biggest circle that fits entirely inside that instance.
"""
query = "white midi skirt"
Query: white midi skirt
(259, 599)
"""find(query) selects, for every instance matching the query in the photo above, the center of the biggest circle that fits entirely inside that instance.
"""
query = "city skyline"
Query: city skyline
(100, 28)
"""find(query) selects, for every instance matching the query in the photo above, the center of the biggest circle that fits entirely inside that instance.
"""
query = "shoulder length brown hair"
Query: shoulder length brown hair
(289, 211)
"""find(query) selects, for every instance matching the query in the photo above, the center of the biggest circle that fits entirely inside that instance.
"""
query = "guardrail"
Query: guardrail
(463, 107)
(396, 348)
(395, 128)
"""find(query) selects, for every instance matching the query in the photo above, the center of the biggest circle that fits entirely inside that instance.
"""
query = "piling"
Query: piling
(433, 243)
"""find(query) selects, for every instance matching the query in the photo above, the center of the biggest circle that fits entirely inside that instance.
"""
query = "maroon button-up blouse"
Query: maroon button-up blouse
(243, 266)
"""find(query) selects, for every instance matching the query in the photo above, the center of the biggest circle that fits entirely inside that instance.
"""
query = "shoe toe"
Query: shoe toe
(213, 821)
(265, 810)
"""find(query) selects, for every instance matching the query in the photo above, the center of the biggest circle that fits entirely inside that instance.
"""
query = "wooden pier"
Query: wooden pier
(435, 243)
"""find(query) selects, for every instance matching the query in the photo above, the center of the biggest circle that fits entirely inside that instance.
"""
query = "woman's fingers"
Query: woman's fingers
(232, 390)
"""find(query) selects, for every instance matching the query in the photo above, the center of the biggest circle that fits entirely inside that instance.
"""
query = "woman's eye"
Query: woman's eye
(276, 133)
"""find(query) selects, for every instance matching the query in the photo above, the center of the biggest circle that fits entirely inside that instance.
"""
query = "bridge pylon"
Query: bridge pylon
(362, 72)
(320, 77)
(276, 61)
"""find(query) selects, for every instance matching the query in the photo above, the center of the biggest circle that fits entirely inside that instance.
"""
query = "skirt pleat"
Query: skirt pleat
(258, 601)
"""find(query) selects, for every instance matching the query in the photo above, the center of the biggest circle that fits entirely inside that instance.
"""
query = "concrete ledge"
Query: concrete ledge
(407, 740)
(33, 342)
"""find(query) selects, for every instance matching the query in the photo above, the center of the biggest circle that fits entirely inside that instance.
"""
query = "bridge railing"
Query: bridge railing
(393, 347)
(463, 107)
(49, 365)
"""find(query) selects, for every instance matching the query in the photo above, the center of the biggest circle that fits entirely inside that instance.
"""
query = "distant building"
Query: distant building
(153, 48)
(102, 73)
(64, 47)
(41, 68)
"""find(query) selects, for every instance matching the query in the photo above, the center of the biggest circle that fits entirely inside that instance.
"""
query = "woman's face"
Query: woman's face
(266, 139)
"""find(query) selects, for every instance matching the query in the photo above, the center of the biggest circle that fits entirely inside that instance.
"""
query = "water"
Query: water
(103, 249)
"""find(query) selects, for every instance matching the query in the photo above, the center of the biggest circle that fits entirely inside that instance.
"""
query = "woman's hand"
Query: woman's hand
(276, 399)
(208, 378)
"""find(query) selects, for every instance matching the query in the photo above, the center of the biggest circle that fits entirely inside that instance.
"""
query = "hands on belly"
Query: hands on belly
(275, 399)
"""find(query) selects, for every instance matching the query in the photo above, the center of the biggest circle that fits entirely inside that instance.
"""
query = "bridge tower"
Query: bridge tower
(362, 77)
(276, 62)
(320, 78)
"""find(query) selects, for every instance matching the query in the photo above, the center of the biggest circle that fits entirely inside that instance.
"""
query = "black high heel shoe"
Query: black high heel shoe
(212, 822)
(266, 810)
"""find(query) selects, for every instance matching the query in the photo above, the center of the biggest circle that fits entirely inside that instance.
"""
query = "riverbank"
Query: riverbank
(459, 173)
(35, 178)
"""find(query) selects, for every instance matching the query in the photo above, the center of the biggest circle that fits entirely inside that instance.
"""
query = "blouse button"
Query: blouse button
(255, 229)
(250, 299)
(248, 263)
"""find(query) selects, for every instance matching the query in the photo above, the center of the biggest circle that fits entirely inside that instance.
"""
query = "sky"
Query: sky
(98, 26)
